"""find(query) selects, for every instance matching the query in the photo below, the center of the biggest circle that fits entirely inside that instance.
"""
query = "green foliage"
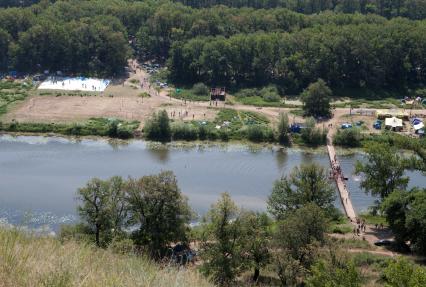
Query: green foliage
(153, 204)
(183, 131)
(93, 127)
(259, 133)
(325, 274)
(383, 170)
(200, 89)
(417, 145)
(348, 137)
(341, 228)
(102, 208)
(305, 185)
(371, 218)
(144, 95)
(313, 136)
(410, 9)
(404, 273)
(283, 129)
(223, 241)
(297, 241)
(316, 99)
(11, 92)
(405, 212)
(158, 127)
(257, 236)
(159, 209)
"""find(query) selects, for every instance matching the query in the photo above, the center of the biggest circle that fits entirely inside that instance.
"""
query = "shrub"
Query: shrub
(245, 93)
(200, 89)
(349, 137)
(313, 136)
(255, 133)
(270, 94)
(182, 131)
(224, 135)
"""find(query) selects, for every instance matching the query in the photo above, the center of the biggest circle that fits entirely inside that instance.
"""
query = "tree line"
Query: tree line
(413, 9)
(160, 128)
(389, 55)
(97, 37)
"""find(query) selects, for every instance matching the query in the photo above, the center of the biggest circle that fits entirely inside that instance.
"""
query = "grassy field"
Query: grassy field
(10, 93)
(28, 260)
(189, 95)
(259, 102)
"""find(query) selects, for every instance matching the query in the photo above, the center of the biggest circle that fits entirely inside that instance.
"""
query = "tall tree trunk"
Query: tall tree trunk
(256, 274)
(97, 235)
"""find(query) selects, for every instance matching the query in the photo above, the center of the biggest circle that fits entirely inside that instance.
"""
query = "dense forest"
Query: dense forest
(276, 44)
(414, 9)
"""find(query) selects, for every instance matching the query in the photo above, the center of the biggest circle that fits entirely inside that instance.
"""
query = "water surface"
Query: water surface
(39, 176)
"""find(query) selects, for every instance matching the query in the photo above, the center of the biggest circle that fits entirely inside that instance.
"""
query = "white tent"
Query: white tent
(393, 124)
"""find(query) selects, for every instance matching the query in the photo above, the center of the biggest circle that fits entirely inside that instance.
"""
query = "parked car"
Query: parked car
(383, 242)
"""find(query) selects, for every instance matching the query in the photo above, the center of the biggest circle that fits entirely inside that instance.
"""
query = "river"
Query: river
(39, 176)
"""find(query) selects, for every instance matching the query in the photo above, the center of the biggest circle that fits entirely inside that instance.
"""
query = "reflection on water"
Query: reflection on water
(40, 175)
(159, 153)
(281, 158)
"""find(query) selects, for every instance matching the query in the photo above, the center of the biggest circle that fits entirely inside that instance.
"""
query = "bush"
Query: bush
(259, 133)
(224, 135)
(182, 131)
(313, 136)
(349, 137)
(200, 89)
(245, 93)
(202, 132)
(270, 94)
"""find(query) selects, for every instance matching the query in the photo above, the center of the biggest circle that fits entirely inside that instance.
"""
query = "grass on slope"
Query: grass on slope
(27, 260)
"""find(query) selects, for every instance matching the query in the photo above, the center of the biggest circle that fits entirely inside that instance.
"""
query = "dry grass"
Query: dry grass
(27, 260)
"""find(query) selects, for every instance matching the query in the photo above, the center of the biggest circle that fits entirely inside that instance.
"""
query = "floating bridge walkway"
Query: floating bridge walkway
(341, 186)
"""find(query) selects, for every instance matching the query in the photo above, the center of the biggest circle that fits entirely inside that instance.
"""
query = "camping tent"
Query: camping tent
(393, 123)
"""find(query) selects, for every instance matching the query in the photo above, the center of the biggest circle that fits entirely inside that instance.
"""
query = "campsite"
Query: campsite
(212, 143)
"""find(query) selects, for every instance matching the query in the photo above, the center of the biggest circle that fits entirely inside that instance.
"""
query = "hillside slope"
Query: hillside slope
(27, 260)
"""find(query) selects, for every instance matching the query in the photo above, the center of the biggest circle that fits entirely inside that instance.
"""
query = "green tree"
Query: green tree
(102, 208)
(257, 236)
(405, 212)
(306, 184)
(394, 207)
(223, 242)
(382, 170)
(158, 127)
(316, 99)
(297, 240)
(159, 209)
(283, 129)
